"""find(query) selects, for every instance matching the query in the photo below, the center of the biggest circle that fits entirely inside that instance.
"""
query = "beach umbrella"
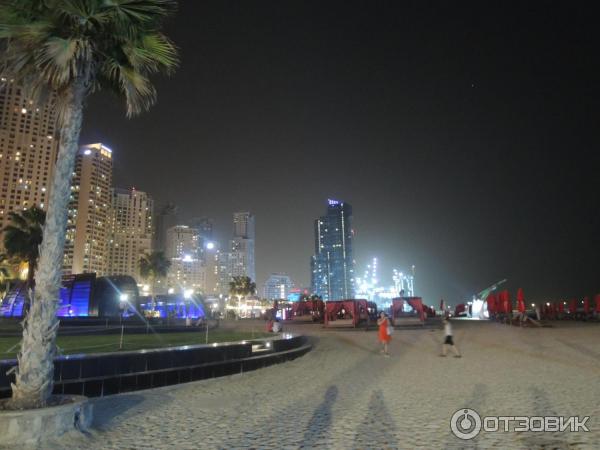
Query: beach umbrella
(520, 300)
(573, 306)
(507, 302)
(597, 298)
(561, 307)
(586, 305)
(491, 303)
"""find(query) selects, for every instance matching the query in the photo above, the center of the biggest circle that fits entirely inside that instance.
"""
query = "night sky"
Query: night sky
(465, 136)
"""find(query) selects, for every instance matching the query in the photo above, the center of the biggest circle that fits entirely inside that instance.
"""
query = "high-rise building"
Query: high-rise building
(88, 225)
(165, 218)
(332, 265)
(131, 231)
(223, 273)
(28, 148)
(204, 226)
(278, 286)
(187, 272)
(241, 256)
(210, 260)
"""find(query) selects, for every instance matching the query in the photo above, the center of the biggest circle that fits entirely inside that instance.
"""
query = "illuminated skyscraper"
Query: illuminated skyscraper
(187, 271)
(278, 286)
(332, 266)
(241, 255)
(28, 147)
(131, 231)
(89, 222)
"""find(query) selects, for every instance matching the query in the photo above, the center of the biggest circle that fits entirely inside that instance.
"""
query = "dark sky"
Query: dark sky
(465, 135)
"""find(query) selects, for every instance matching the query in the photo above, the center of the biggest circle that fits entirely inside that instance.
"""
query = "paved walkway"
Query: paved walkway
(345, 395)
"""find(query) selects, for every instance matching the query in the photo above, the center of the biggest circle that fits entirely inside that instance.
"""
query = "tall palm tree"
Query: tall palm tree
(74, 48)
(154, 266)
(241, 287)
(23, 237)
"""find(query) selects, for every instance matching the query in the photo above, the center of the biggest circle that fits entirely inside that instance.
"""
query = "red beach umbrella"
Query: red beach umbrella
(561, 307)
(586, 305)
(520, 300)
(597, 298)
(491, 303)
(573, 306)
(506, 301)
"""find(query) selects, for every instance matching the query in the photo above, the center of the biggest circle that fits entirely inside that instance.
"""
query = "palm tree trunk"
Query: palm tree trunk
(35, 372)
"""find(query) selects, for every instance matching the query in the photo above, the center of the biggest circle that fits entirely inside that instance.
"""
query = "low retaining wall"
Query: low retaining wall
(111, 373)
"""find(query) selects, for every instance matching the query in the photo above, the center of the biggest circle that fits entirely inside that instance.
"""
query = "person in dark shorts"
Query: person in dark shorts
(448, 340)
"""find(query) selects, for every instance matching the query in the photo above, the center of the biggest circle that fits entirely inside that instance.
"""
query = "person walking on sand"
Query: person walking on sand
(384, 333)
(448, 340)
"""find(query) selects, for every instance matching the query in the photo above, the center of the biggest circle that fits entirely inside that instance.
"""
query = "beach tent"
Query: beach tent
(357, 310)
(312, 309)
(520, 300)
(415, 302)
(459, 309)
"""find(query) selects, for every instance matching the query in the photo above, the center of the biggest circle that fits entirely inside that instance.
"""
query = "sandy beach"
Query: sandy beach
(345, 395)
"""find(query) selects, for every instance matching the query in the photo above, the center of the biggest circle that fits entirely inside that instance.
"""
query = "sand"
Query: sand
(345, 395)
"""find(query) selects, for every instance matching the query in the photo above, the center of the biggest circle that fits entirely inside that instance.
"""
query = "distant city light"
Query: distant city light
(87, 151)
(333, 202)
(210, 245)
(187, 258)
(188, 293)
(170, 290)
(124, 297)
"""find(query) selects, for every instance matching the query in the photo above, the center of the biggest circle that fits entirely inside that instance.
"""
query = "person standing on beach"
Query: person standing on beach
(384, 333)
(448, 339)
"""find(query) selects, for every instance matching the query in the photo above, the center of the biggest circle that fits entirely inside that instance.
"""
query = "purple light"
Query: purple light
(333, 202)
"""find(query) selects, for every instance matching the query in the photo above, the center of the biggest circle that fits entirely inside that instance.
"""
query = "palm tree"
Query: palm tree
(154, 266)
(74, 48)
(241, 287)
(5, 275)
(22, 239)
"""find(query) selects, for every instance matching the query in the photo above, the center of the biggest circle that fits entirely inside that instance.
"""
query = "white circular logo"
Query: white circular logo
(465, 423)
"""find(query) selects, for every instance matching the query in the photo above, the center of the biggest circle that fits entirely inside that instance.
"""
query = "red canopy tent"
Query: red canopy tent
(521, 300)
(313, 308)
(415, 302)
(459, 309)
(357, 309)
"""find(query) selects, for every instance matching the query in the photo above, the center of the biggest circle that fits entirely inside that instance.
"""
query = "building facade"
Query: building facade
(332, 266)
(241, 250)
(28, 148)
(89, 220)
(131, 231)
(278, 286)
(187, 272)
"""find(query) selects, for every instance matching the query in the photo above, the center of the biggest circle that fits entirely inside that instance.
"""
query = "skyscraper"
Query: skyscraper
(241, 256)
(88, 225)
(165, 218)
(131, 231)
(182, 248)
(28, 147)
(278, 286)
(332, 266)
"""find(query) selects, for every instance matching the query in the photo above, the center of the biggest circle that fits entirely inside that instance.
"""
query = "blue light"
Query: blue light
(333, 202)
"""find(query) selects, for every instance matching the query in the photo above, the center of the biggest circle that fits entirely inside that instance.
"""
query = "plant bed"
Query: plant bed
(31, 426)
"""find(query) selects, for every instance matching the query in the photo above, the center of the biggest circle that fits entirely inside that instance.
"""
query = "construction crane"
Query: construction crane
(483, 294)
